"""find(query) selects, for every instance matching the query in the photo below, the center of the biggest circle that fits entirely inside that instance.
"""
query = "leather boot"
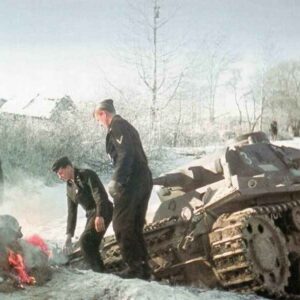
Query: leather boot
(135, 270)
(98, 266)
(146, 270)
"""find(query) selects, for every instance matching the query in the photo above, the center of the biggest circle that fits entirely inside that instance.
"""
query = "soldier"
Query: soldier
(130, 187)
(274, 130)
(85, 188)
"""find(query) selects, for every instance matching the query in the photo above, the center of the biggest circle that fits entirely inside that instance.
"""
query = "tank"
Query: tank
(229, 220)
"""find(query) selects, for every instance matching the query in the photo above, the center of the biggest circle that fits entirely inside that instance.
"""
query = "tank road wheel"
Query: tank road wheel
(268, 254)
(249, 253)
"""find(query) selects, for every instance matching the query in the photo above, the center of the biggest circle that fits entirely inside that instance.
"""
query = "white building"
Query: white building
(40, 112)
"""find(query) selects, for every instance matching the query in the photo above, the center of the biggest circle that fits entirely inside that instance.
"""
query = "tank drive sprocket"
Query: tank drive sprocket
(250, 253)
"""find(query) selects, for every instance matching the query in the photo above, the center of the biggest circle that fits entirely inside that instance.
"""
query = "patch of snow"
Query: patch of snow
(87, 285)
(295, 143)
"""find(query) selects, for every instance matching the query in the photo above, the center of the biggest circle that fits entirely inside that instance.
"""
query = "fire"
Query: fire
(17, 263)
(21, 258)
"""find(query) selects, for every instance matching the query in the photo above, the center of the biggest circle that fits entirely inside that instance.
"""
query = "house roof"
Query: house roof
(38, 107)
(2, 101)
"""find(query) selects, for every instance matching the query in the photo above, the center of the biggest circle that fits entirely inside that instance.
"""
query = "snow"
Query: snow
(42, 210)
(289, 143)
(86, 285)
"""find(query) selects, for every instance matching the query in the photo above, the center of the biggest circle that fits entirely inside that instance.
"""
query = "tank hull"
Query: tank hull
(230, 220)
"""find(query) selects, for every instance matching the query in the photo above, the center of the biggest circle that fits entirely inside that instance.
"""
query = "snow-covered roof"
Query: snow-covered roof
(2, 101)
(38, 107)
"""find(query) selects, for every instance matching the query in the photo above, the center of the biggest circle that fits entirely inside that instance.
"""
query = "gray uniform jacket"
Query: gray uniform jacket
(88, 191)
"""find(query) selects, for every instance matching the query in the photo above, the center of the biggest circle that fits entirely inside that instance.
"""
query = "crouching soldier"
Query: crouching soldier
(85, 188)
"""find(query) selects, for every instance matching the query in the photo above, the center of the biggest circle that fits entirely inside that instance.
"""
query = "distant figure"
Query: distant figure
(85, 188)
(130, 188)
(274, 130)
(1, 184)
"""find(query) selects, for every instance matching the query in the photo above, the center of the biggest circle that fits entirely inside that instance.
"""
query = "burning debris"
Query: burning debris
(22, 261)
(16, 262)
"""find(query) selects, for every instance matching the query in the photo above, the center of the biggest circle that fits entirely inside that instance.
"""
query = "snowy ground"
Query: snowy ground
(42, 210)
(86, 285)
(289, 143)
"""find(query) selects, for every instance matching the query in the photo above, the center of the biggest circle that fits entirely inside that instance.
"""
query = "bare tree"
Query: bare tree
(156, 58)
(283, 93)
(233, 84)
(215, 65)
(267, 56)
(252, 110)
(160, 82)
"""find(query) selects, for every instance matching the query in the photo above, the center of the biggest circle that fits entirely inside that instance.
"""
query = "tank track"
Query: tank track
(249, 252)
(236, 267)
(155, 234)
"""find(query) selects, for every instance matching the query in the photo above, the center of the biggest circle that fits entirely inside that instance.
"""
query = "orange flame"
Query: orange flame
(17, 263)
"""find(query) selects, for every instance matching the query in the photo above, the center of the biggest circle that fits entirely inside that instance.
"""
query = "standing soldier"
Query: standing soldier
(130, 187)
(274, 130)
(85, 188)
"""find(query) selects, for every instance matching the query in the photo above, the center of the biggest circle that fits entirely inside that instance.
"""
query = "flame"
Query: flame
(38, 242)
(17, 263)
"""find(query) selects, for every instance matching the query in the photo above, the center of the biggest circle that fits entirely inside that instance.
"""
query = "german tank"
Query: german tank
(229, 220)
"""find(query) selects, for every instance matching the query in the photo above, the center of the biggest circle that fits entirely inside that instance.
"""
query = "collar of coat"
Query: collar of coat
(77, 178)
(115, 117)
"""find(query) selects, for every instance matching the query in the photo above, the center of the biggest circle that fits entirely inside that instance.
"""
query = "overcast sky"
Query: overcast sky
(58, 47)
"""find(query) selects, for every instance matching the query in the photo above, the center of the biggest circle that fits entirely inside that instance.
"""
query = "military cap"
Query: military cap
(61, 163)
(108, 105)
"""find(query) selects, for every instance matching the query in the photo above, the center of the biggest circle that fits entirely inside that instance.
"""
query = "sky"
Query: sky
(58, 47)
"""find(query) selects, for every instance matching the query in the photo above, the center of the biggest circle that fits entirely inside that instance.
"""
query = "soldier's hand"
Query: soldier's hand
(99, 224)
(115, 189)
(68, 248)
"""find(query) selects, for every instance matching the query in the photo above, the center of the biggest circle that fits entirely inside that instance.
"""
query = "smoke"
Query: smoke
(42, 210)
(33, 256)
(10, 229)
(34, 205)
